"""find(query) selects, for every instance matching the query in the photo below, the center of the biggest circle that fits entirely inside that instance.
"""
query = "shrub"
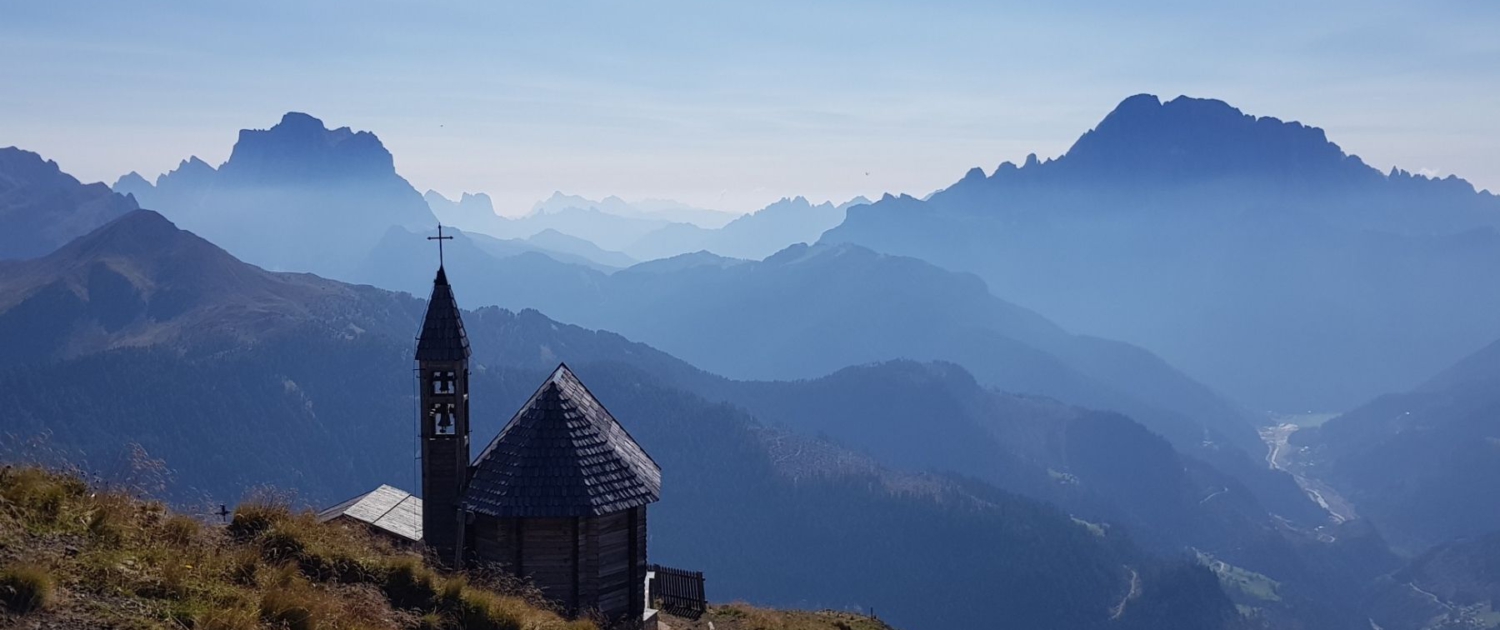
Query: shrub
(108, 519)
(257, 514)
(231, 618)
(181, 530)
(38, 492)
(25, 588)
(243, 565)
(410, 584)
(432, 621)
(296, 606)
(452, 592)
(282, 544)
(481, 610)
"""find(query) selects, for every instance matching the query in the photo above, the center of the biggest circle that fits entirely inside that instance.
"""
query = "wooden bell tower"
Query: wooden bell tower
(443, 376)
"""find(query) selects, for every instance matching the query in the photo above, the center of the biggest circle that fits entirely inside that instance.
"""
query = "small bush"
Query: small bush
(243, 567)
(232, 618)
(108, 520)
(181, 530)
(332, 566)
(25, 588)
(452, 592)
(38, 492)
(296, 606)
(432, 621)
(282, 544)
(483, 610)
(257, 514)
(410, 584)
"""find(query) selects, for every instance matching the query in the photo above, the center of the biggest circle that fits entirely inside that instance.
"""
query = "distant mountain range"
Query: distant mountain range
(474, 213)
(753, 236)
(237, 377)
(1254, 253)
(297, 196)
(612, 223)
(658, 210)
(140, 311)
(808, 311)
(648, 230)
(41, 207)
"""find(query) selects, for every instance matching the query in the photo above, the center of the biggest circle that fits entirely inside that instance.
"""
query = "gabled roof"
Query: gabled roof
(388, 509)
(562, 455)
(443, 337)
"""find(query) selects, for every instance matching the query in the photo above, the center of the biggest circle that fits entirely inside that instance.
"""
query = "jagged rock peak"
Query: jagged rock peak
(475, 197)
(22, 165)
(301, 147)
(1192, 138)
(130, 180)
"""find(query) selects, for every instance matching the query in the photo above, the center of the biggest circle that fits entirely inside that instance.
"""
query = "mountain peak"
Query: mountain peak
(1147, 141)
(137, 233)
(299, 120)
(301, 148)
(131, 179)
(23, 167)
(42, 207)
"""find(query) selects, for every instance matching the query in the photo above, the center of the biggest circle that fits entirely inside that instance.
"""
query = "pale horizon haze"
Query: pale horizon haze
(730, 106)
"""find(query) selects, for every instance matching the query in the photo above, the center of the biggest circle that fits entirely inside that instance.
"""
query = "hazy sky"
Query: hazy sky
(730, 105)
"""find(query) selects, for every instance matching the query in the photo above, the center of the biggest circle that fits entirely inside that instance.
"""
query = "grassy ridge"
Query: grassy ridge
(72, 556)
(76, 557)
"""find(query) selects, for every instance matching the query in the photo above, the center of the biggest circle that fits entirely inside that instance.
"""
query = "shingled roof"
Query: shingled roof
(562, 455)
(443, 337)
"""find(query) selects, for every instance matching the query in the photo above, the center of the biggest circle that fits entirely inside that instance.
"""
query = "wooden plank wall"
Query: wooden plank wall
(583, 564)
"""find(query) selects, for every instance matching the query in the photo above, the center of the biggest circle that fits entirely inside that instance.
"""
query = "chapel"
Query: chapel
(558, 498)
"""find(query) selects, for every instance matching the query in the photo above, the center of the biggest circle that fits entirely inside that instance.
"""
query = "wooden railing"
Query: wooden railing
(678, 592)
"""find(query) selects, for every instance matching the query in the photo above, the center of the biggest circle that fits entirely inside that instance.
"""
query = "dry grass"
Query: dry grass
(26, 588)
(740, 616)
(74, 558)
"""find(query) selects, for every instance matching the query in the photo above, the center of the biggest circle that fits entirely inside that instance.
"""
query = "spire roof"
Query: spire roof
(562, 455)
(443, 337)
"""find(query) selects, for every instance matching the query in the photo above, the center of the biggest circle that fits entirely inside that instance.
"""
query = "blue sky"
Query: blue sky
(731, 105)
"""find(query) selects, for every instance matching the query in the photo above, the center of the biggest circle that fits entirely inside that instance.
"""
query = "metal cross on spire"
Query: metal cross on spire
(440, 238)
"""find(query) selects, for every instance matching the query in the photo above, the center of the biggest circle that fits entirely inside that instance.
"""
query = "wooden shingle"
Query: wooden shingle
(443, 337)
(562, 455)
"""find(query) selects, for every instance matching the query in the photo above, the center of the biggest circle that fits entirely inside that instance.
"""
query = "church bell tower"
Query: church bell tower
(443, 375)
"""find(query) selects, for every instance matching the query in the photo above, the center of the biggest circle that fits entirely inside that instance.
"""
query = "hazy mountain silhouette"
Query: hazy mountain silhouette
(238, 377)
(1422, 464)
(609, 225)
(753, 236)
(402, 261)
(140, 281)
(808, 311)
(42, 207)
(554, 241)
(297, 196)
(474, 213)
(605, 230)
(1252, 252)
(659, 210)
(646, 230)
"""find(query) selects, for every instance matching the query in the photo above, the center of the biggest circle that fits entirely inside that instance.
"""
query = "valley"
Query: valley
(1282, 456)
(911, 405)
